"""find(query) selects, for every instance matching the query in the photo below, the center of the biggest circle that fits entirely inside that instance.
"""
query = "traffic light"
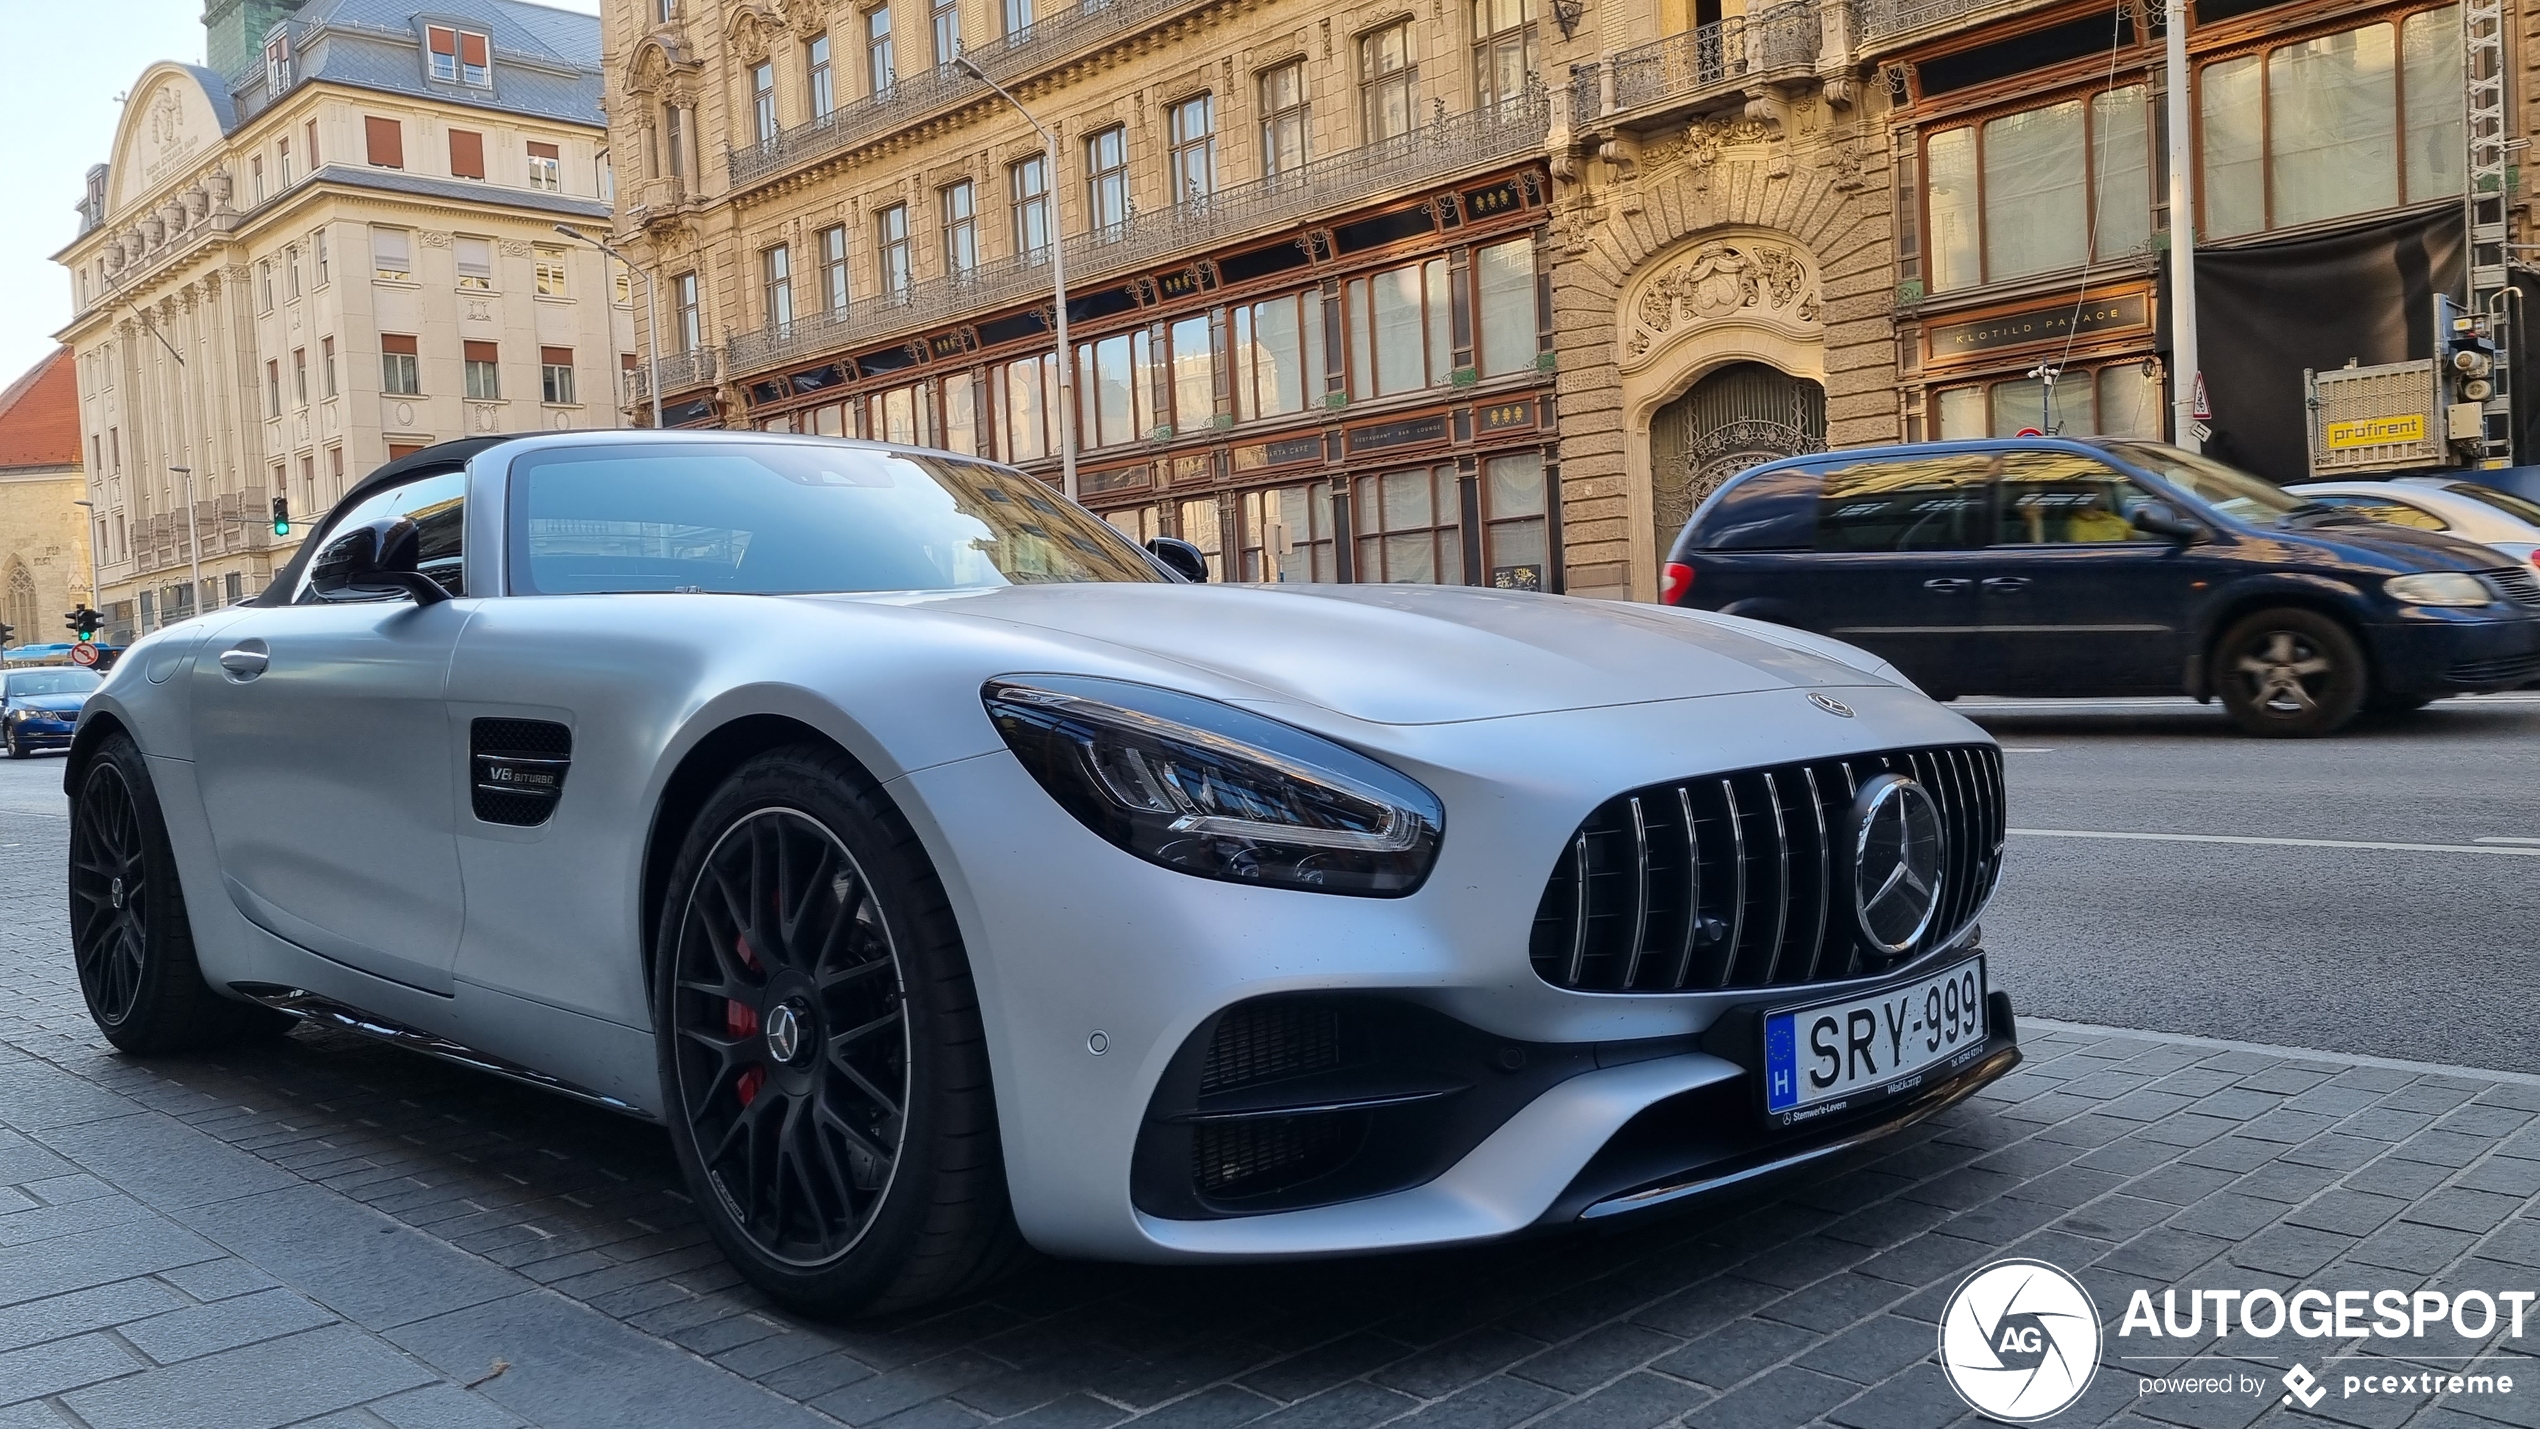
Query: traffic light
(6, 630)
(2469, 354)
(83, 622)
(282, 516)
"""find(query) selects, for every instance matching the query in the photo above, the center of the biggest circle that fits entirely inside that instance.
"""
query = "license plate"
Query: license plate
(1824, 1058)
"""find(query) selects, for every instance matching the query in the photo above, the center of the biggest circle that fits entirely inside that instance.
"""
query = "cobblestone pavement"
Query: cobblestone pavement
(321, 1230)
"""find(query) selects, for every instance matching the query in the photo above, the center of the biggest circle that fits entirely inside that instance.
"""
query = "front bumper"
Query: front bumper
(2441, 652)
(40, 733)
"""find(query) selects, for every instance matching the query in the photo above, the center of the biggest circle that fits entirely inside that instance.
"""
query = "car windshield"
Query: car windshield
(775, 517)
(2505, 501)
(2227, 489)
(52, 682)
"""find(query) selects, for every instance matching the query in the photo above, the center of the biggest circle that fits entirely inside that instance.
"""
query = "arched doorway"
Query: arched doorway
(1736, 416)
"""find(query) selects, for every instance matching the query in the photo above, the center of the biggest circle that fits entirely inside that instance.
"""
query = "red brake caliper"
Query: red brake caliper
(740, 1020)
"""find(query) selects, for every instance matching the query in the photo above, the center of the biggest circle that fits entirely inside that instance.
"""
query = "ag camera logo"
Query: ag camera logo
(2019, 1340)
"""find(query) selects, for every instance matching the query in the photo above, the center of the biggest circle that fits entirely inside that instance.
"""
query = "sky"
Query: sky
(66, 106)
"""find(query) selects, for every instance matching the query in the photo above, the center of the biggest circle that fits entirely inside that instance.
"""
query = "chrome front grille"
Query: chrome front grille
(2519, 583)
(1744, 879)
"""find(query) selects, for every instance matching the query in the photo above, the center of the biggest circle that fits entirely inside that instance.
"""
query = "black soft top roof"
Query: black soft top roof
(439, 457)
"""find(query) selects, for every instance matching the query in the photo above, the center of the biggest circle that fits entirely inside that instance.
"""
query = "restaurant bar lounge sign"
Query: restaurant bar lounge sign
(2054, 322)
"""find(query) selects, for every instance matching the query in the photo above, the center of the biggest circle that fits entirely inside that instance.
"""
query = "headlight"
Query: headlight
(1209, 789)
(2439, 588)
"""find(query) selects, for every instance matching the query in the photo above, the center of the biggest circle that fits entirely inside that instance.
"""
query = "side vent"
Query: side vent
(517, 769)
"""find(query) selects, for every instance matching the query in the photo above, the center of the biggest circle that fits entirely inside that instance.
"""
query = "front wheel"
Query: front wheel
(2290, 673)
(822, 1062)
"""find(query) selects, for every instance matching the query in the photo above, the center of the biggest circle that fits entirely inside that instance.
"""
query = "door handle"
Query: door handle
(1948, 585)
(2006, 584)
(243, 663)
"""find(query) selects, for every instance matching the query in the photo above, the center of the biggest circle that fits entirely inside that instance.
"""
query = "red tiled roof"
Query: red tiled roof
(39, 415)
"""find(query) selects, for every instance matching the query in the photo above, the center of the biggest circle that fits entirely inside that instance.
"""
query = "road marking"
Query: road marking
(2273, 1049)
(2524, 852)
(2506, 839)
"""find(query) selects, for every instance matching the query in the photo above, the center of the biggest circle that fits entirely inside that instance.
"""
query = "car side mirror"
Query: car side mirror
(367, 562)
(2161, 519)
(1181, 558)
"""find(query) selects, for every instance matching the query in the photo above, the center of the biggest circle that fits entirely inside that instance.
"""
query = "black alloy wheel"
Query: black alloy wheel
(131, 940)
(2290, 673)
(822, 1061)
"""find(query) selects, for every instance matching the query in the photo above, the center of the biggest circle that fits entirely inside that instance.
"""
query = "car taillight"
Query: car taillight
(1673, 582)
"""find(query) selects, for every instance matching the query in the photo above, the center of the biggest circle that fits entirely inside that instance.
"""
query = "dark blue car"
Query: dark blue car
(2043, 566)
(39, 708)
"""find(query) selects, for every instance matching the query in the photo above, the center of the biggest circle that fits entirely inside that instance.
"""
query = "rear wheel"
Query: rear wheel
(822, 1061)
(2290, 673)
(130, 938)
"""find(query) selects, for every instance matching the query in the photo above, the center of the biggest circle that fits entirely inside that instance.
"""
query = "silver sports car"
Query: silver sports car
(947, 873)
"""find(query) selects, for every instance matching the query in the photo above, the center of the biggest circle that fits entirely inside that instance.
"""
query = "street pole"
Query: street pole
(193, 539)
(1058, 281)
(652, 316)
(2184, 368)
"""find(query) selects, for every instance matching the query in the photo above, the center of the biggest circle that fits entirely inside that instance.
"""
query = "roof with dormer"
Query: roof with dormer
(546, 62)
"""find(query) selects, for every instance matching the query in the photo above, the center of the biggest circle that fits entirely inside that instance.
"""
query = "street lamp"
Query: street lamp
(193, 541)
(652, 316)
(1058, 281)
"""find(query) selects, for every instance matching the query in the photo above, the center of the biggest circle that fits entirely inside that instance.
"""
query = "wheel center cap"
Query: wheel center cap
(114, 892)
(785, 1032)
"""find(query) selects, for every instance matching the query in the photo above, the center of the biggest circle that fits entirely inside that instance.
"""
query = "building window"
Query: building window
(1107, 179)
(1287, 534)
(621, 284)
(1115, 385)
(555, 376)
(398, 372)
(308, 132)
(273, 387)
(2122, 399)
(946, 15)
(291, 272)
(475, 257)
(960, 430)
(1018, 17)
(546, 167)
(256, 176)
(467, 154)
(665, 11)
(278, 63)
(300, 376)
(1388, 82)
(763, 100)
(326, 364)
(549, 263)
(881, 70)
(684, 291)
(385, 141)
(282, 153)
(604, 178)
(891, 252)
(961, 229)
(905, 415)
(392, 254)
(1194, 158)
(317, 249)
(1191, 375)
(1028, 183)
(1286, 119)
(833, 267)
(1028, 402)
(2039, 191)
(1400, 333)
(674, 144)
(484, 371)
(1503, 50)
(2343, 123)
(1516, 550)
(264, 285)
(823, 88)
(334, 473)
(776, 285)
(458, 56)
(1504, 303)
(1278, 355)
(1409, 527)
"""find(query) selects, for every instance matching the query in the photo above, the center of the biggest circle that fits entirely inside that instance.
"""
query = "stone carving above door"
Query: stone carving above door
(1755, 281)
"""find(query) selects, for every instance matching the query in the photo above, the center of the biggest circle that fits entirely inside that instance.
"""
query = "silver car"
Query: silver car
(946, 873)
(2498, 520)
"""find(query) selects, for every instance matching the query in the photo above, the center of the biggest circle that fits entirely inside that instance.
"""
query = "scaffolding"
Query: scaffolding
(2486, 197)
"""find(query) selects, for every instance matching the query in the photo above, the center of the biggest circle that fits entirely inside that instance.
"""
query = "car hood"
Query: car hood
(50, 704)
(1425, 654)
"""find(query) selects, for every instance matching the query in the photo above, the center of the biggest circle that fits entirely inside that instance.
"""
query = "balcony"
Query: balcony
(679, 371)
(1894, 24)
(1714, 60)
(1434, 153)
(1004, 59)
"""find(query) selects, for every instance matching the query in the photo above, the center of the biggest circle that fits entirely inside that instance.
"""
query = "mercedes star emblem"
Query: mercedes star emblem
(1830, 704)
(784, 1032)
(1898, 853)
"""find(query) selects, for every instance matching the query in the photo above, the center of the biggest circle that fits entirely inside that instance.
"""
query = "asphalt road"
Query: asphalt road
(2427, 953)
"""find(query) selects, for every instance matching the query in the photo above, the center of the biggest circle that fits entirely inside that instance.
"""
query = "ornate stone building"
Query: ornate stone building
(1309, 296)
(43, 534)
(338, 247)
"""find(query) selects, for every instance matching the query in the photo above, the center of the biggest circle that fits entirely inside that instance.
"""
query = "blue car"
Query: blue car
(40, 708)
(2052, 567)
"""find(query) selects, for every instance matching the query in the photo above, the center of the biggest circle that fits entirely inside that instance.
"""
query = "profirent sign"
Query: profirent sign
(2376, 431)
(2379, 418)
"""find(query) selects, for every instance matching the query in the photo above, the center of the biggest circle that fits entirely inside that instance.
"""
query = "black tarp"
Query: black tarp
(2268, 310)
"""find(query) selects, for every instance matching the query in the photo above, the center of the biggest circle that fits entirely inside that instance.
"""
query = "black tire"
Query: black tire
(839, 1202)
(9, 745)
(130, 937)
(2290, 673)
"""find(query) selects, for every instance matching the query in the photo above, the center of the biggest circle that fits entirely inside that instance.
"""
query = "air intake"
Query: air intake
(517, 768)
